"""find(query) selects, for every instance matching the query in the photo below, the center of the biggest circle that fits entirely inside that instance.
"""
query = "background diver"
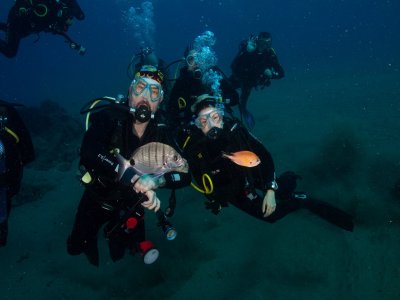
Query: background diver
(16, 150)
(190, 84)
(255, 65)
(27, 17)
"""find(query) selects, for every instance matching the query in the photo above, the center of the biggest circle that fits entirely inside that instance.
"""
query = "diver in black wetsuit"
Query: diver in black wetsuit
(16, 150)
(34, 16)
(188, 85)
(111, 200)
(251, 189)
(255, 65)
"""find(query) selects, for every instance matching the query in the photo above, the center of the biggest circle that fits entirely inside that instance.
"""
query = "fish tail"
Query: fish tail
(226, 155)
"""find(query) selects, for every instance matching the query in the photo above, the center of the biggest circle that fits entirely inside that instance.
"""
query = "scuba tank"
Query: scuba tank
(3, 187)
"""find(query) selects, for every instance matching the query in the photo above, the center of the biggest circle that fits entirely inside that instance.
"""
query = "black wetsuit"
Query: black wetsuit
(19, 151)
(245, 187)
(34, 16)
(184, 92)
(248, 70)
(105, 200)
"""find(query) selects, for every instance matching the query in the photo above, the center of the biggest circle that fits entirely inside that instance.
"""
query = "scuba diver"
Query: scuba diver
(254, 66)
(16, 151)
(34, 16)
(147, 56)
(115, 193)
(189, 84)
(232, 167)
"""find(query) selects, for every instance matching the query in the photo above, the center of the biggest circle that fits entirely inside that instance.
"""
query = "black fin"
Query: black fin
(330, 213)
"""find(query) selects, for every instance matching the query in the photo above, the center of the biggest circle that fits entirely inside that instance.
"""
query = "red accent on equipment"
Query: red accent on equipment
(145, 246)
(131, 223)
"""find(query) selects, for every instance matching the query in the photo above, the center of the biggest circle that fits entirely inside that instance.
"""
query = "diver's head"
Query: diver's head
(209, 113)
(146, 93)
(192, 63)
(264, 42)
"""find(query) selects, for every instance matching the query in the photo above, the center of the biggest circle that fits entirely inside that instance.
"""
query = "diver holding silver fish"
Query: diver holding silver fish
(125, 156)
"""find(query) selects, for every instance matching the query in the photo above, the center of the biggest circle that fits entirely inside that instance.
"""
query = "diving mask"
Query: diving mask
(264, 44)
(191, 60)
(212, 117)
(141, 86)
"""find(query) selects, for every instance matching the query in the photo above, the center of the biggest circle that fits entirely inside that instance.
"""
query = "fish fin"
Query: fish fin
(122, 164)
(157, 175)
(138, 172)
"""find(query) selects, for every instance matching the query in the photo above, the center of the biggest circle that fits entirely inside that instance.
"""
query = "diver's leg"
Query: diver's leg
(327, 212)
(88, 220)
(3, 233)
(116, 246)
(247, 117)
(5, 209)
(10, 46)
(244, 97)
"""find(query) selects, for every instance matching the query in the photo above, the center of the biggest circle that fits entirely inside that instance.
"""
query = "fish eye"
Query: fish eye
(175, 157)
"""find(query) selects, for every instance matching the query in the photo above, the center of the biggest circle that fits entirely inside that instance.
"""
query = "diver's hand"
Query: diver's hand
(268, 73)
(269, 203)
(153, 203)
(148, 182)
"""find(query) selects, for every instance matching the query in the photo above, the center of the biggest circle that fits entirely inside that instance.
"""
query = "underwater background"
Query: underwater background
(334, 119)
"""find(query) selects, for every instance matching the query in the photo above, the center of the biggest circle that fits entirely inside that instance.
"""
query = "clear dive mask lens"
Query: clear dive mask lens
(190, 60)
(214, 118)
(140, 87)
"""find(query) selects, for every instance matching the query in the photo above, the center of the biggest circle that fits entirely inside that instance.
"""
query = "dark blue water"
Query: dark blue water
(306, 34)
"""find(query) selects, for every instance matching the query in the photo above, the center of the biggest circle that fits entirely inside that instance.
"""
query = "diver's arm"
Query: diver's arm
(278, 69)
(267, 166)
(266, 178)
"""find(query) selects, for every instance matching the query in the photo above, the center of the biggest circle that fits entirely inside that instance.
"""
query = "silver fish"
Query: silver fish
(154, 158)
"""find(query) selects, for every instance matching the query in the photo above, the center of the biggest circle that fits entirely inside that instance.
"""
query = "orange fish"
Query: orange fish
(246, 159)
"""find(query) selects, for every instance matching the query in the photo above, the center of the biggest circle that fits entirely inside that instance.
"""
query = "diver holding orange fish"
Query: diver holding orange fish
(230, 166)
